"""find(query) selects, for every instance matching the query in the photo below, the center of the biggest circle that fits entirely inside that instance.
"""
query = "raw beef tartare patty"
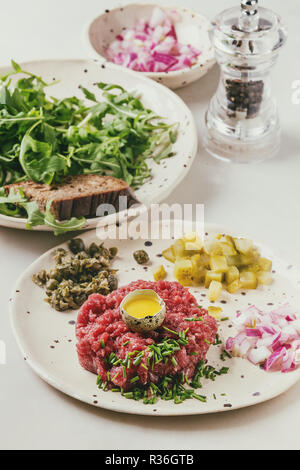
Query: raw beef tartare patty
(101, 331)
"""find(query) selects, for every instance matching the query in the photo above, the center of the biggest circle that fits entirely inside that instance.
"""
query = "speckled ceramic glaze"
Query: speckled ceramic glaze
(48, 343)
(192, 28)
(167, 175)
(148, 323)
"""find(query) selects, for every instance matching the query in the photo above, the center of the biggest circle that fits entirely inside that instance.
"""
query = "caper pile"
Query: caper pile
(77, 274)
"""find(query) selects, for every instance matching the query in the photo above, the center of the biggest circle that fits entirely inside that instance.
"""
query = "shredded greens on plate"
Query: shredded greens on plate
(45, 139)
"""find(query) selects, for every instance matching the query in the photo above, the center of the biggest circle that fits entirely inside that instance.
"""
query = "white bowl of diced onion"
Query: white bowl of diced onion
(168, 44)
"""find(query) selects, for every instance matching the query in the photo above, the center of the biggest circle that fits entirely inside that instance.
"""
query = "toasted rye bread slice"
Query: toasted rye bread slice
(77, 196)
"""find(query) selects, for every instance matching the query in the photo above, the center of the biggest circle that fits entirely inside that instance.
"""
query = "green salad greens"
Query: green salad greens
(45, 139)
(15, 204)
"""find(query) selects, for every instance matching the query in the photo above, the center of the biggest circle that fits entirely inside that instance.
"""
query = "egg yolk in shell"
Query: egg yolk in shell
(142, 306)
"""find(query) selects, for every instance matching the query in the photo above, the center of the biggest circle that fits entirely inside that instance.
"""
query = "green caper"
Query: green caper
(141, 257)
(52, 284)
(93, 249)
(113, 251)
(112, 282)
(76, 245)
(41, 278)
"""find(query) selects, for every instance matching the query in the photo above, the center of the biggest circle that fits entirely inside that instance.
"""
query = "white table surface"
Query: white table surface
(262, 200)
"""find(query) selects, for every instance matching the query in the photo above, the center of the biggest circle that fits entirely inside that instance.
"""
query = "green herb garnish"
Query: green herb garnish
(175, 387)
(225, 354)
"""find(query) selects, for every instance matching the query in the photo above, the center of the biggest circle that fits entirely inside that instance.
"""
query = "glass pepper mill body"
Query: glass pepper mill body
(242, 122)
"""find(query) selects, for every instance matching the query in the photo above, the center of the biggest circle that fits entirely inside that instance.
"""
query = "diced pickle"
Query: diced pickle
(193, 246)
(234, 260)
(179, 248)
(190, 237)
(243, 245)
(232, 274)
(169, 254)
(227, 249)
(159, 273)
(265, 278)
(249, 258)
(184, 271)
(217, 250)
(205, 260)
(234, 286)
(212, 276)
(211, 244)
(198, 272)
(214, 291)
(265, 264)
(248, 280)
(215, 312)
(254, 268)
(218, 264)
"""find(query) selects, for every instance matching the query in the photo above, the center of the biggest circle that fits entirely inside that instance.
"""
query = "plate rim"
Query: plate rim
(19, 223)
(120, 408)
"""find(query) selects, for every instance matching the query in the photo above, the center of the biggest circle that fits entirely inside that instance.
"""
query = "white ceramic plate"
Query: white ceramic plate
(170, 172)
(47, 338)
(192, 28)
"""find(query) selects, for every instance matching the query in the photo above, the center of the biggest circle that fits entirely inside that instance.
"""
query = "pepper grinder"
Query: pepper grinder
(242, 123)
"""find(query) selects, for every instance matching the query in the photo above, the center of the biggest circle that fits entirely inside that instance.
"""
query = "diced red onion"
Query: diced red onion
(271, 338)
(254, 332)
(154, 46)
(259, 355)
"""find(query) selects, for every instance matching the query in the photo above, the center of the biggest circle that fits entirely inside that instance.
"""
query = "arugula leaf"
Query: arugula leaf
(62, 227)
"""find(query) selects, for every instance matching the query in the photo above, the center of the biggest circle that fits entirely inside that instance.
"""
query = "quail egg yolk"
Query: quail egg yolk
(142, 306)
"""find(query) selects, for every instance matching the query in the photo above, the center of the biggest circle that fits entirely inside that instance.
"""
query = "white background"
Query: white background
(262, 200)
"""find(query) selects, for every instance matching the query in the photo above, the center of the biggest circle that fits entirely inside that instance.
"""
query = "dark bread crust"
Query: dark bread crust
(77, 196)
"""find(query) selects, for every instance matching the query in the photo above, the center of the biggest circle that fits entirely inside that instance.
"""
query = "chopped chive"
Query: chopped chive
(137, 361)
(102, 344)
(218, 341)
(200, 397)
(115, 376)
(169, 387)
(174, 362)
(225, 354)
(135, 379)
(127, 342)
(206, 341)
(194, 319)
(99, 380)
(170, 331)
(104, 386)
(225, 319)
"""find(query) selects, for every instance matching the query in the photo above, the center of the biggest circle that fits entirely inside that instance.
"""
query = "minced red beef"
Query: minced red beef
(101, 331)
